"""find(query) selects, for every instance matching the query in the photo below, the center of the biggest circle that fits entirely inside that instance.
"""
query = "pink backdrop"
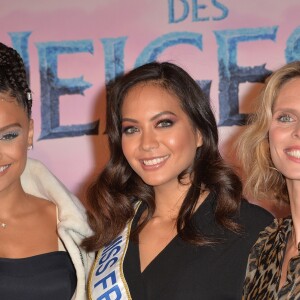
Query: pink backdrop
(137, 25)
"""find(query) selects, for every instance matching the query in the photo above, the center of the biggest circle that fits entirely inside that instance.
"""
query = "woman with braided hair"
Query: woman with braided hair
(41, 223)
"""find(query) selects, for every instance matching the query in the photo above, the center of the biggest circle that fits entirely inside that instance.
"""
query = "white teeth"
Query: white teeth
(294, 153)
(154, 161)
(3, 168)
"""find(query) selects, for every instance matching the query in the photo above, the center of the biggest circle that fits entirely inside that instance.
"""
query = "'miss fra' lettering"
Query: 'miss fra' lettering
(108, 282)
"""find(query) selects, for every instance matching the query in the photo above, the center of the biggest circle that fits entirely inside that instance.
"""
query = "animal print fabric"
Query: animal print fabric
(264, 265)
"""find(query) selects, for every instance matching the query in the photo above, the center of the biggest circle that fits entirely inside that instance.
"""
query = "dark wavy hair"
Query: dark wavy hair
(111, 196)
(13, 80)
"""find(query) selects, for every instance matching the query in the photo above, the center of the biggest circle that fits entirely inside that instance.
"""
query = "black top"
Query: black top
(49, 276)
(184, 271)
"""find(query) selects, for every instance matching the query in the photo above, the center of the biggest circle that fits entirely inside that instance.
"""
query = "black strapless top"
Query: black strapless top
(46, 276)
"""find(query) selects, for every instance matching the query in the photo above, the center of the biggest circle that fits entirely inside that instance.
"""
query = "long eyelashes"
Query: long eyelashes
(8, 136)
(165, 123)
(129, 129)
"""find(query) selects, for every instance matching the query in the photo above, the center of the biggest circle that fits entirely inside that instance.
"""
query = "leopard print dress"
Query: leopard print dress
(264, 265)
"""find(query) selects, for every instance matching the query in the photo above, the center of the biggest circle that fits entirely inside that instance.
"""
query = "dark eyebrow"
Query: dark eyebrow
(10, 126)
(152, 119)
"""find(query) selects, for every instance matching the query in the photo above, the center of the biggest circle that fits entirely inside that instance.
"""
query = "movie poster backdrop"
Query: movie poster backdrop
(73, 48)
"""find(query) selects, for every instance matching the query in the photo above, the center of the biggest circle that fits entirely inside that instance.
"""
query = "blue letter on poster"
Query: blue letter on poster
(53, 87)
(292, 51)
(231, 75)
(114, 57)
(20, 43)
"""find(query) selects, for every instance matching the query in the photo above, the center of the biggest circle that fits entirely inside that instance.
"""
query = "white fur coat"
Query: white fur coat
(72, 225)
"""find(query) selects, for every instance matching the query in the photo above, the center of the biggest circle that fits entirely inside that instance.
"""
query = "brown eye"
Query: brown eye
(9, 136)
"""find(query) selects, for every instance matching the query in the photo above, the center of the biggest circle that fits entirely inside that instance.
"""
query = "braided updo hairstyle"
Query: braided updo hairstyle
(13, 79)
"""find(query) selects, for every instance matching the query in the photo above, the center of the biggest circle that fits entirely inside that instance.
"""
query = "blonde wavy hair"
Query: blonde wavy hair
(263, 180)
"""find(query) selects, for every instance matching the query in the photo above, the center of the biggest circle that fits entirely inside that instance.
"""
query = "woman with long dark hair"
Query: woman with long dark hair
(166, 210)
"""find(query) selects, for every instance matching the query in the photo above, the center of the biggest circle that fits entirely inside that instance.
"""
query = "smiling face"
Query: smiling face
(16, 134)
(158, 139)
(284, 132)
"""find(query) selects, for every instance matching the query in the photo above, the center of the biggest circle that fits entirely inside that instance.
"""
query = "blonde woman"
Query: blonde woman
(270, 153)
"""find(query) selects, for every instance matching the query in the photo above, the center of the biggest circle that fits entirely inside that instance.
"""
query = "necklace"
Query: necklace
(3, 225)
